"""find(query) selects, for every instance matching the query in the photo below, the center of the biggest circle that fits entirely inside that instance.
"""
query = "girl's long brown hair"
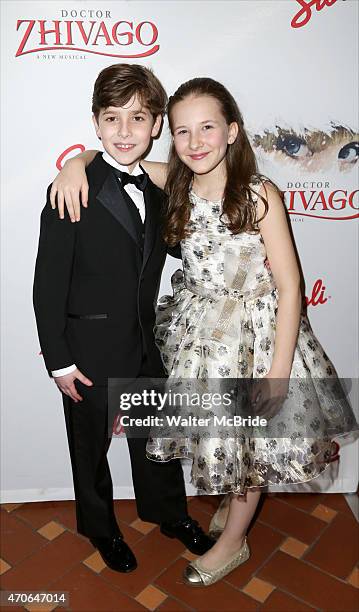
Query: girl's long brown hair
(241, 165)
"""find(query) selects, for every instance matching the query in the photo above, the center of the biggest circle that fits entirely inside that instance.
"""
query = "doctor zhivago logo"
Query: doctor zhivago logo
(309, 154)
(102, 35)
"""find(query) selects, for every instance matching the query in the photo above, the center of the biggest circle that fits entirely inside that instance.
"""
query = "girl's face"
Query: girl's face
(201, 134)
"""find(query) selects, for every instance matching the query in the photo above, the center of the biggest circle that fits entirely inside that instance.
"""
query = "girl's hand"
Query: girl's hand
(69, 184)
(269, 394)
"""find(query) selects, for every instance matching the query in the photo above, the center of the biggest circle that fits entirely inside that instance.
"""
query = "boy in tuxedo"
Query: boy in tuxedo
(95, 286)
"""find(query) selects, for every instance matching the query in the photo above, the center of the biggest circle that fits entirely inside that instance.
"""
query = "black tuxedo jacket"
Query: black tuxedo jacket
(94, 289)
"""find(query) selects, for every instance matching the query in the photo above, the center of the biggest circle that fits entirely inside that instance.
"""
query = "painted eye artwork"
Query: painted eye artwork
(293, 146)
(309, 148)
(349, 152)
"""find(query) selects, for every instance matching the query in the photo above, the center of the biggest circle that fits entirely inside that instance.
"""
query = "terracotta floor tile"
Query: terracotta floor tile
(13, 608)
(353, 577)
(125, 510)
(131, 584)
(308, 501)
(205, 503)
(309, 584)
(130, 535)
(156, 538)
(159, 548)
(38, 514)
(336, 501)
(290, 521)
(95, 562)
(151, 597)
(281, 602)
(154, 553)
(294, 547)
(258, 589)
(263, 541)
(142, 526)
(88, 591)
(38, 607)
(302, 501)
(66, 514)
(324, 513)
(301, 579)
(43, 567)
(337, 550)
(51, 530)
(10, 507)
(18, 539)
(219, 596)
(173, 605)
(4, 567)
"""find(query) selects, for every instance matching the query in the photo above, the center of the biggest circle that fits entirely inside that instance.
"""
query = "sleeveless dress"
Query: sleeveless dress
(220, 325)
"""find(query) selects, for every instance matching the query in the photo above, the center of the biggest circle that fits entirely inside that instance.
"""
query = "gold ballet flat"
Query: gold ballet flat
(195, 575)
(215, 529)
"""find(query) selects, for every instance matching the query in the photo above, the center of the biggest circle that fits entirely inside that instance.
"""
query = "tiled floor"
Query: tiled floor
(305, 550)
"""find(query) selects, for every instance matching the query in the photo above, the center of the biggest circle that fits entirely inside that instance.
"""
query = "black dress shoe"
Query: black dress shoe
(190, 534)
(115, 553)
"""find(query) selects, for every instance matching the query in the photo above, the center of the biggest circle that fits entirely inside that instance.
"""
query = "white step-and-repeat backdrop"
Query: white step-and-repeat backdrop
(292, 65)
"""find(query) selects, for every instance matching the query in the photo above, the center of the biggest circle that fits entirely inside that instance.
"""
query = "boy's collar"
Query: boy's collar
(112, 162)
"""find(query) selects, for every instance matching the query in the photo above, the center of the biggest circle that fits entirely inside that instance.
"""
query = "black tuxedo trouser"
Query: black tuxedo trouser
(159, 487)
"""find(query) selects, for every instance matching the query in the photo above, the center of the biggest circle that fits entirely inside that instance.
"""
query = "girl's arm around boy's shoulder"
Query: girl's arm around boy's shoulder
(50, 213)
(70, 186)
(157, 172)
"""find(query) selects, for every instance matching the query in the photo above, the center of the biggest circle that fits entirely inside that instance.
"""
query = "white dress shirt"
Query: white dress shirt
(138, 199)
(135, 194)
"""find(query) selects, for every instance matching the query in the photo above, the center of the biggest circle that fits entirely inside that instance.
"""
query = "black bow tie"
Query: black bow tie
(140, 181)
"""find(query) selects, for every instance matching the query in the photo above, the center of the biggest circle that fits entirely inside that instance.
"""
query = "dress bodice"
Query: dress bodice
(217, 262)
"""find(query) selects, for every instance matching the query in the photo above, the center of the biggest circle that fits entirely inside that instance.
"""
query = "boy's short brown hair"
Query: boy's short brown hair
(115, 86)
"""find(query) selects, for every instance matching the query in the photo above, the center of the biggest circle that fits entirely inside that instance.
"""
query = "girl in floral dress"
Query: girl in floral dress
(233, 317)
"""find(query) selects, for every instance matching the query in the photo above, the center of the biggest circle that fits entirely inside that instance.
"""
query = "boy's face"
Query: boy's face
(126, 131)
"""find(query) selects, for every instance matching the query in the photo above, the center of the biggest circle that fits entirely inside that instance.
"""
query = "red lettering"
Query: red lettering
(291, 200)
(128, 34)
(304, 200)
(332, 201)
(61, 158)
(317, 296)
(91, 33)
(31, 23)
(313, 205)
(43, 32)
(304, 14)
(85, 37)
(154, 33)
(102, 31)
(320, 198)
(69, 32)
(323, 3)
(351, 197)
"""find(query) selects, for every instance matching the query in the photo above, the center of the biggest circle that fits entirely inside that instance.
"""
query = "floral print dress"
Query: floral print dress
(220, 324)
